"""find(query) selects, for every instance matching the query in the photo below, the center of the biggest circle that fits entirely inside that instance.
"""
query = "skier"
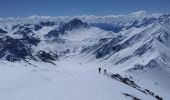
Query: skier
(105, 72)
(99, 70)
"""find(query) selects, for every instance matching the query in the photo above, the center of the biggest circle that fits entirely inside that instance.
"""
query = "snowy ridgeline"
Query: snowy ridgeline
(44, 58)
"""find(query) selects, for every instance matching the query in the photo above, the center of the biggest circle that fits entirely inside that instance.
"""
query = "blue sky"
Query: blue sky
(24, 8)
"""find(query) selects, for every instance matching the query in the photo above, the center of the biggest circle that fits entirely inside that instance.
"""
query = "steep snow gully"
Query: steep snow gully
(57, 58)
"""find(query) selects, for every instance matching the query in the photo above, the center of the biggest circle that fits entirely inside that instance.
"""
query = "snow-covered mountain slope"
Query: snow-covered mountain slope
(71, 79)
(49, 56)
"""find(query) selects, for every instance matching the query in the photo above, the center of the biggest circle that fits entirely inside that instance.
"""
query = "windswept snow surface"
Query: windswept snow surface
(70, 79)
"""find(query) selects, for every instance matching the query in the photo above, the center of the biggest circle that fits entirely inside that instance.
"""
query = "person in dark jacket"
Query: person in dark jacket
(105, 72)
(99, 70)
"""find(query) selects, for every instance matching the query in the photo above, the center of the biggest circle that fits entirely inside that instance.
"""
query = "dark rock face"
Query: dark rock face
(54, 33)
(143, 22)
(27, 38)
(73, 24)
(164, 38)
(17, 49)
(131, 83)
(37, 27)
(137, 67)
(123, 60)
(143, 49)
(165, 19)
(48, 23)
(21, 26)
(133, 97)
(106, 50)
(112, 46)
(2, 31)
(14, 49)
(115, 46)
(153, 63)
(18, 26)
(30, 40)
(21, 49)
(47, 56)
(24, 31)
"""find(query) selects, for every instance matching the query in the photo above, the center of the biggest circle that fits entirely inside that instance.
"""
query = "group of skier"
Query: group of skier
(105, 72)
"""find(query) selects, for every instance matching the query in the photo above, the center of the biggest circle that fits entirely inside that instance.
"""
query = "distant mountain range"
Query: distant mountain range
(135, 45)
